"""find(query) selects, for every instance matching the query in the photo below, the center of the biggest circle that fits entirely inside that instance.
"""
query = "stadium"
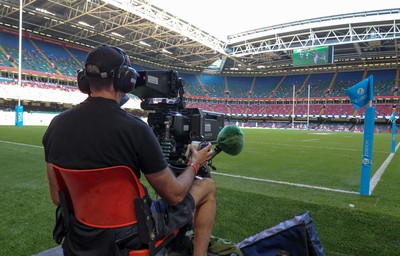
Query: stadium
(283, 84)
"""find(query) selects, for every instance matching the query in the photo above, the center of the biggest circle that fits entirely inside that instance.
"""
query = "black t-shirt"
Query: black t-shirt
(98, 133)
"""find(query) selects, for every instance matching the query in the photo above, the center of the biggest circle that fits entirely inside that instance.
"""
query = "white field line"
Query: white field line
(311, 140)
(311, 146)
(377, 176)
(20, 144)
(286, 183)
(374, 181)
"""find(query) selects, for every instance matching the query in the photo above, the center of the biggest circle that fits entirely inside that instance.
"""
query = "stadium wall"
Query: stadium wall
(8, 118)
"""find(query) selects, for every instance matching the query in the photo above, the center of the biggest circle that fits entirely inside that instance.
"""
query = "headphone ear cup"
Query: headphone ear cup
(125, 79)
(83, 83)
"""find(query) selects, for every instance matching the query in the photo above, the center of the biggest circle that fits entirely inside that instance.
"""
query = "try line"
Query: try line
(286, 183)
(373, 182)
(377, 176)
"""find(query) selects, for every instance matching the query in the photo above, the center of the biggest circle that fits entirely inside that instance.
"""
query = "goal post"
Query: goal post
(307, 122)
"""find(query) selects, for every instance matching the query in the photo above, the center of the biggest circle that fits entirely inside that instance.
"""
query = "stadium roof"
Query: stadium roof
(226, 17)
(154, 36)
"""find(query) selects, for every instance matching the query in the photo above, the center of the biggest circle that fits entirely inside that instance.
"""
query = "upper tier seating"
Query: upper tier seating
(63, 59)
(264, 86)
(343, 81)
(214, 85)
(239, 87)
(285, 90)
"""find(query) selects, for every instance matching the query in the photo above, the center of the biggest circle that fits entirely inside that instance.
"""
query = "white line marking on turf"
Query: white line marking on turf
(305, 146)
(374, 181)
(20, 144)
(286, 183)
(377, 176)
(310, 140)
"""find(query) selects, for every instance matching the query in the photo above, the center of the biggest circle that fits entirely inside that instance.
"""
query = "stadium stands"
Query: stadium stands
(239, 87)
(61, 60)
(319, 83)
(285, 89)
(384, 81)
(49, 84)
(214, 86)
(192, 85)
(264, 86)
(343, 81)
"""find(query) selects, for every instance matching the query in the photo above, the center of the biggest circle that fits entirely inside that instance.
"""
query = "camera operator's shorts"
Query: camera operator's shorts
(167, 218)
(171, 217)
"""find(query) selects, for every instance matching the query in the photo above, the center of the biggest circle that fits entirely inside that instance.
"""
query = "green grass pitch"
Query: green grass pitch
(265, 188)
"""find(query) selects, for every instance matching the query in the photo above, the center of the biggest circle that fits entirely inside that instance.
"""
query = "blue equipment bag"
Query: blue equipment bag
(295, 237)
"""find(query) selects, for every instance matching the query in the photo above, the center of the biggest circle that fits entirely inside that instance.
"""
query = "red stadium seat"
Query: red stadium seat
(104, 198)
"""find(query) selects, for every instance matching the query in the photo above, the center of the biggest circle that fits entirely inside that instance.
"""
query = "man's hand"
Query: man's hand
(201, 157)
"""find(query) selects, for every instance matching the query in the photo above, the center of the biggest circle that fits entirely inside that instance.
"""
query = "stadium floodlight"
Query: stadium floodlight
(85, 24)
(144, 43)
(166, 51)
(45, 11)
(116, 34)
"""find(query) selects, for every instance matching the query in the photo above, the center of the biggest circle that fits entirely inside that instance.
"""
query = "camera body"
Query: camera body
(175, 126)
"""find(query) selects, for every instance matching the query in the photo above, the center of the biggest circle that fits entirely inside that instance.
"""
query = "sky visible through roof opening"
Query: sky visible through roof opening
(223, 17)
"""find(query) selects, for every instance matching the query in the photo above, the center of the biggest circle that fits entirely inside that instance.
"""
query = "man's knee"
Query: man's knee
(204, 190)
(208, 185)
(211, 186)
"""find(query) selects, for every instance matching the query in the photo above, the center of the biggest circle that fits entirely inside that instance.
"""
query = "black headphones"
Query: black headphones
(124, 76)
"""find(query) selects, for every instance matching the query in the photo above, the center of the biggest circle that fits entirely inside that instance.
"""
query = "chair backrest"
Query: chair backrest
(104, 197)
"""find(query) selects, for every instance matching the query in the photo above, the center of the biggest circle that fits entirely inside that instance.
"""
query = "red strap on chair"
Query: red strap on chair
(146, 252)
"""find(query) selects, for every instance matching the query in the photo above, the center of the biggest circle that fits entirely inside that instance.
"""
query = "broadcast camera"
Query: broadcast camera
(175, 126)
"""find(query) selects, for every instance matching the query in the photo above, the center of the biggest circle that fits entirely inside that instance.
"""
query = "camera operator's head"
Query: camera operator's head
(107, 68)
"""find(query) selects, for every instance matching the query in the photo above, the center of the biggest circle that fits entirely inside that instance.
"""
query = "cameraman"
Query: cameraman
(98, 133)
